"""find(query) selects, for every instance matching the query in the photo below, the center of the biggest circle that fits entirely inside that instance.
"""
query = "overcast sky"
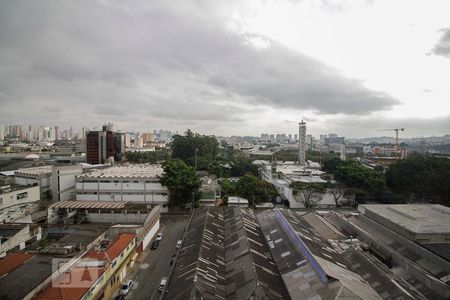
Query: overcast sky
(228, 67)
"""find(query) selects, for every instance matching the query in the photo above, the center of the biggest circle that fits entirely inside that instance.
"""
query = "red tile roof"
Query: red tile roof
(71, 285)
(12, 261)
(118, 244)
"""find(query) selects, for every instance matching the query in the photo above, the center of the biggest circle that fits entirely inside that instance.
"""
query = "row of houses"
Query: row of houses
(63, 261)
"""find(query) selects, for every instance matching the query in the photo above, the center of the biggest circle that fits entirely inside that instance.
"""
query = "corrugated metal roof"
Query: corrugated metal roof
(89, 204)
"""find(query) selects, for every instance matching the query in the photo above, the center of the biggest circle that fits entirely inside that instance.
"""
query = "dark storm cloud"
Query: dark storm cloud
(442, 47)
(157, 60)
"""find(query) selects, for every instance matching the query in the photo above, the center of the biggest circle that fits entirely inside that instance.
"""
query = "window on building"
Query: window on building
(22, 195)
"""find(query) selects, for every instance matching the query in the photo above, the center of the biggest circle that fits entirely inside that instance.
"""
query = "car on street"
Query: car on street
(172, 259)
(154, 245)
(162, 284)
(178, 246)
(159, 236)
(125, 289)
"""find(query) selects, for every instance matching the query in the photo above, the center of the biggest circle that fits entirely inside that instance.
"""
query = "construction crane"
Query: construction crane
(397, 146)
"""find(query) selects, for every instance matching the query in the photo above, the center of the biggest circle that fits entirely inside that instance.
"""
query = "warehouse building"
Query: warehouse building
(129, 183)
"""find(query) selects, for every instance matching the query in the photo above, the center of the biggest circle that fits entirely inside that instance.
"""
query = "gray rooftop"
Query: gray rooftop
(348, 272)
(18, 283)
(225, 256)
(416, 218)
(133, 171)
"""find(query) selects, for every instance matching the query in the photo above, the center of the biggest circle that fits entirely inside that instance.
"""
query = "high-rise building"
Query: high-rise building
(2, 132)
(119, 140)
(147, 138)
(301, 143)
(56, 137)
(342, 154)
(99, 146)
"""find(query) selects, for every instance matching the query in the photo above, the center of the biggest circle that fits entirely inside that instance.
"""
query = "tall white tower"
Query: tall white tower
(301, 143)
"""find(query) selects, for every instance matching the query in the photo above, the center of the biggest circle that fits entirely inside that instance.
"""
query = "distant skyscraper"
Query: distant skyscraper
(301, 143)
(343, 152)
(57, 137)
(2, 132)
(100, 146)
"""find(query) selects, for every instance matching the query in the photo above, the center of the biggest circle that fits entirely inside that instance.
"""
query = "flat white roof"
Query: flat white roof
(237, 200)
(307, 179)
(142, 171)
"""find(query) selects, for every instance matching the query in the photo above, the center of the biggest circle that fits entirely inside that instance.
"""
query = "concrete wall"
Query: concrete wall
(136, 191)
(63, 181)
(116, 217)
(44, 182)
(11, 199)
(149, 197)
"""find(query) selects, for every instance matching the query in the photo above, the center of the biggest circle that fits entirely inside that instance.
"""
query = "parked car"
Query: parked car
(162, 284)
(178, 246)
(159, 236)
(154, 245)
(125, 289)
(172, 259)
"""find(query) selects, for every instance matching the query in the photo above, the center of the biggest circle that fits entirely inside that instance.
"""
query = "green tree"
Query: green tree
(354, 175)
(139, 157)
(227, 187)
(196, 150)
(253, 188)
(308, 193)
(421, 177)
(181, 180)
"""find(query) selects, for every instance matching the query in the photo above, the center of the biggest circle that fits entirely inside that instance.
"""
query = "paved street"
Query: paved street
(154, 264)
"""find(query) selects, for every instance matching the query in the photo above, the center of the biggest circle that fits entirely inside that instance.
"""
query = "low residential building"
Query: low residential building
(97, 274)
(129, 183)
(127, 218)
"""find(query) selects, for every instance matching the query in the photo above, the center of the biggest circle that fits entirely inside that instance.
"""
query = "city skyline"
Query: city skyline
(228, 69)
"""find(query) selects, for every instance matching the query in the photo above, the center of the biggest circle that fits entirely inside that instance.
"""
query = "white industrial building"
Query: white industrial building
(56, 182)
(63, 181)
(131, 183)
(41, 176)
(283, 173)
